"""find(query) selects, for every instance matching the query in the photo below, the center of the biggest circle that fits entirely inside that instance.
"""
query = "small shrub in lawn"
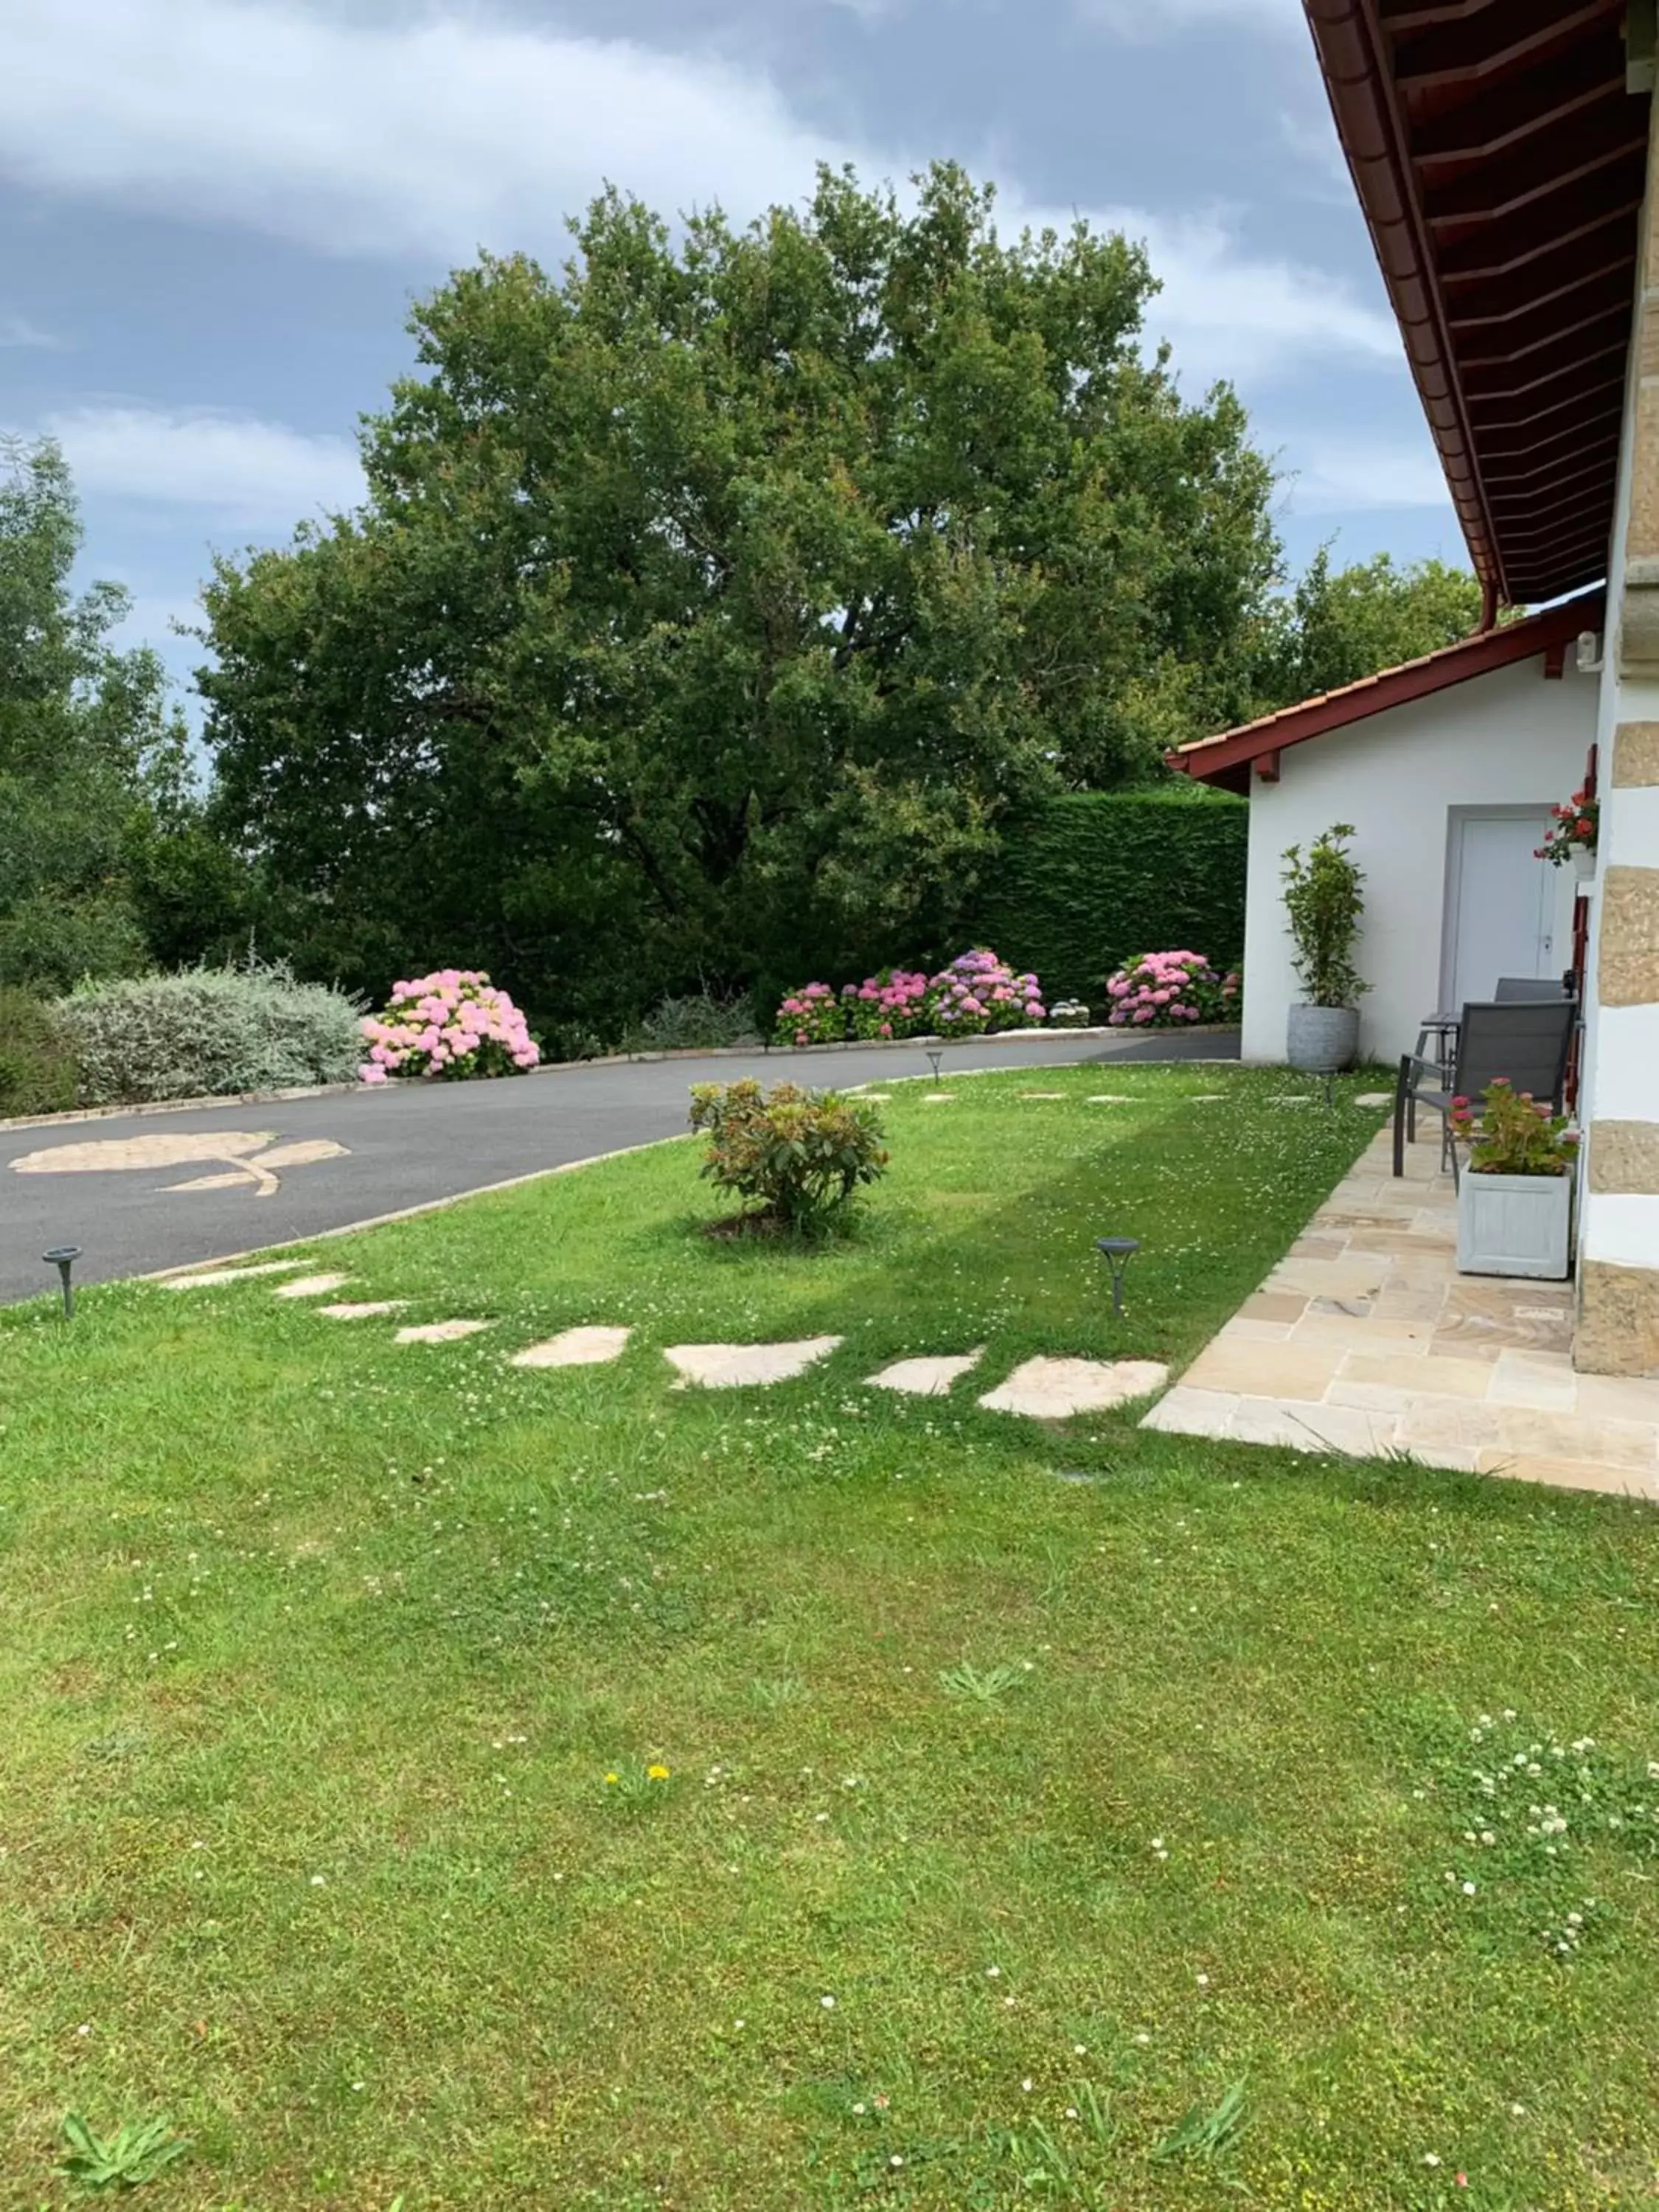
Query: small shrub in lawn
(453, 1023)
(796, 1155)
(812, 1015)
(978, 993)
(1170, 990)
(893, 1003)
(38, 1073)
(207, 1032)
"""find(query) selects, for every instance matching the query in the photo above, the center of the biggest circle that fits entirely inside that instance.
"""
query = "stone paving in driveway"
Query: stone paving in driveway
(1365, 1339)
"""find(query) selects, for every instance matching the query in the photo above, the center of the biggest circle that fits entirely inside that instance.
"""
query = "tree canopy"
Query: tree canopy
(713, 600)
(91, 750)
(1337, 626)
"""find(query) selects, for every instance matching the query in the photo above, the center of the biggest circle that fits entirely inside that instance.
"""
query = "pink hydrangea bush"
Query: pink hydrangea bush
(979, 993)
(1169, 990)
(893, 1003)
(453, 1023)
(812, 1015)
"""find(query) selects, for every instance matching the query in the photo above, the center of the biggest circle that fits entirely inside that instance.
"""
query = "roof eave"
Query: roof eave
(1368, 124)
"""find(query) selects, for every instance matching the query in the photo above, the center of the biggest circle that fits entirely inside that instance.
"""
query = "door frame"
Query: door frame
(1455, 818)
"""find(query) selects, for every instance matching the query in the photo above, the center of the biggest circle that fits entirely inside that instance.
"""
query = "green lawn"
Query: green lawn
(1090, 1774)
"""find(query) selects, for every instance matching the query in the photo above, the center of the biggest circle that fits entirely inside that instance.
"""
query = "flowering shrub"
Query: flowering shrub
(976, 993)
(1573, 829)
(893, 1003)
(812, 1015)
(979, 993)
(1515, 1135)
(799, 1155)
(1166, 990)
(453, 1023)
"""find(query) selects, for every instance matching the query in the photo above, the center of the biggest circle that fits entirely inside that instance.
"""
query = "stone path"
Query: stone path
(1041, 1389)
(1364, 1339)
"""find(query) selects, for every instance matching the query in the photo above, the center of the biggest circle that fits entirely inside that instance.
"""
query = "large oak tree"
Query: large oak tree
(714, 598)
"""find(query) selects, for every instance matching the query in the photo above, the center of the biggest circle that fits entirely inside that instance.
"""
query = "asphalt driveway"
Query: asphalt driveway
(352, 1156)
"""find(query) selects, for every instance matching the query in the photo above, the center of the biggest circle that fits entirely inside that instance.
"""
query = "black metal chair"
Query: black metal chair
(1525, 1039)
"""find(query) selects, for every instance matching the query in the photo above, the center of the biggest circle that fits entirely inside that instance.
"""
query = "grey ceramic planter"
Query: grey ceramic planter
(1319, 1040)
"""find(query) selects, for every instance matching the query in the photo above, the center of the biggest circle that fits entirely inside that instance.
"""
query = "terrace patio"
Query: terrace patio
(1364, 1339)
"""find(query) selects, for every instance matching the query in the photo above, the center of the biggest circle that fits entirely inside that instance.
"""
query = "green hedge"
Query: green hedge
(1089, 880)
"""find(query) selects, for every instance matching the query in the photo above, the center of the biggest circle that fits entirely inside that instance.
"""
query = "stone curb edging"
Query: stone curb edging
(568, 1066)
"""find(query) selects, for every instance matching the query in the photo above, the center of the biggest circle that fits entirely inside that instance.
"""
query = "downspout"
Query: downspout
(1488, 603)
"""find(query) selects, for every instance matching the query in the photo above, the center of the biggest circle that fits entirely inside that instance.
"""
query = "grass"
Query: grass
(1098, 1842)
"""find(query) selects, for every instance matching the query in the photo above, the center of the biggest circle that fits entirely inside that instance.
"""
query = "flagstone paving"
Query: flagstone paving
(733, 1367)
(927, 1377)
(576, 1347)
(363, 1308)
(1364, 1339)
(439, 1331)
(1054, 1389)
(310, 1286)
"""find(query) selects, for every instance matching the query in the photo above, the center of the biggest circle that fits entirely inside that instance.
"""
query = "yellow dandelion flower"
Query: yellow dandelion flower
(656, 1774)
(611, 1777)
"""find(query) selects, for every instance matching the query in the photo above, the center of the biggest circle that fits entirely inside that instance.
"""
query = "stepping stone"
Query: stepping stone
(1291, 1099)
(1111, 1098)
(1209, 1098)
(310, 1286)
(206, 1282)
(1043, 1094)
(940, 1097)
(926, 1378)
(439, 1331)
(731, 1366)
(874, 1098)
(575, 1347)
(1374, 1098)
(364, 1309)
(1053, 1389)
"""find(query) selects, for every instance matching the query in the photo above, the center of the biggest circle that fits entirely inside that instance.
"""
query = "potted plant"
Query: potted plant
(1323, 904)
(1515, 1199)
(1571, 839)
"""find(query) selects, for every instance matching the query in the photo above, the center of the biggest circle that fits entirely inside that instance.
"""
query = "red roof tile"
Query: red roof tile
(1227, 756)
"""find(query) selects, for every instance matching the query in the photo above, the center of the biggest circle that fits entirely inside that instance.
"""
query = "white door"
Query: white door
(1501, 903)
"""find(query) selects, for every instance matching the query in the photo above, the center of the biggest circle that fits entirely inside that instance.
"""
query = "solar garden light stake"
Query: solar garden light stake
(1117, 1251)
(935, 1057)
(64, 1257)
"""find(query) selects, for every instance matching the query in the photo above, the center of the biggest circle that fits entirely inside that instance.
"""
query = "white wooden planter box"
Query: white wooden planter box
(1511, 1224)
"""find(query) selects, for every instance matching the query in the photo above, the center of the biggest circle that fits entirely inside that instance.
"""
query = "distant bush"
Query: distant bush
(893, 1003)
(1170, 990)
(812, 1015)
(207, 1031)
(699, 1022)
(797, 1155)
(37, 1058)
(453, 1023)
(975, 993)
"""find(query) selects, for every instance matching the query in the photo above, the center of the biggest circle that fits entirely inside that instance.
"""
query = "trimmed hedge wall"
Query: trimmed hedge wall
(1088, 879)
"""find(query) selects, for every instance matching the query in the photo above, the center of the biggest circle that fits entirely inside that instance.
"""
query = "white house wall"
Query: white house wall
(1508, 738)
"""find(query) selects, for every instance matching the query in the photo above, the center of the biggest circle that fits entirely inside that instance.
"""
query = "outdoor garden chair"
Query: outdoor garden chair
(1513, 987)
(1524, 1039)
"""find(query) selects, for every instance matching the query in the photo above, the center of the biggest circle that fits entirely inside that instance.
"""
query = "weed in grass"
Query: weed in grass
(139, 2151)
(772, 1697)
(1207, 2131)
(987, 1687)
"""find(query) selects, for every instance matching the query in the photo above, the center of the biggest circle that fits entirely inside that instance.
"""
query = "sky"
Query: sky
(215, 214)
